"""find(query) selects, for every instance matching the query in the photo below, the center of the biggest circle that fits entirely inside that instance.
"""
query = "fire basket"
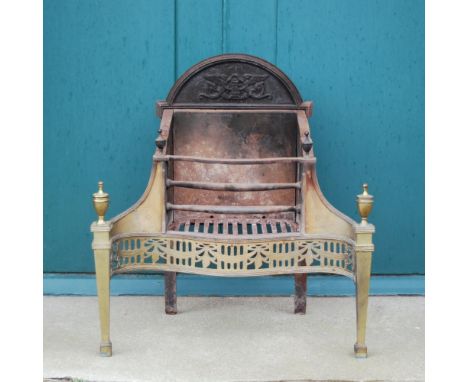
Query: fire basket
(233, 191)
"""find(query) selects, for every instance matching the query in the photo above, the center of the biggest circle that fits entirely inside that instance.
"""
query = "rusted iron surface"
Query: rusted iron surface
(164, 135)
(234, 152)
(232, 186)
(170, 292)
(300, 292)
(231, 209)
(235, 135)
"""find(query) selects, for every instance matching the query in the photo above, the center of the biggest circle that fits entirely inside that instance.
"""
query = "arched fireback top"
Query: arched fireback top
(234, 80)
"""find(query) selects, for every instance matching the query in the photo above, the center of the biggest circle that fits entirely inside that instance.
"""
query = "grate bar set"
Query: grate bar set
(235, 227)
(233, 186)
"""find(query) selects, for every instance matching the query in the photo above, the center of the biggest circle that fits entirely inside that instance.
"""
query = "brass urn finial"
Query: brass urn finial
(364, 203)
(101, 202)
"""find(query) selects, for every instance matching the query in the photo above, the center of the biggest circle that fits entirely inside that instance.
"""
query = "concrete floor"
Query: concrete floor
(234, 339)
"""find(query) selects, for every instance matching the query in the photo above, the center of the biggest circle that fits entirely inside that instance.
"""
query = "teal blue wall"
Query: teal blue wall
(361, 62)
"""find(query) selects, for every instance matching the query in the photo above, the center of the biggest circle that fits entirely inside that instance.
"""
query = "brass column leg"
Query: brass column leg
(363, 262)
(300, 295)
(102, 253)
(363, 270)
(101, 259)
(170, 292)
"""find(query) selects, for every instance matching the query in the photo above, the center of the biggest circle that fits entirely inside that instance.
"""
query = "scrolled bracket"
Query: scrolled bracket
(307, 143)
(160, 141)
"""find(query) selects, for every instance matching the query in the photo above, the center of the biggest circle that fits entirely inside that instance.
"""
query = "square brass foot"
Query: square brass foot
(106, 349)
(360, 351)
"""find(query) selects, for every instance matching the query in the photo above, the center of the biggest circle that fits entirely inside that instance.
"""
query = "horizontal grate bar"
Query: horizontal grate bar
(232, 209)
(234, 161)
(231, 186)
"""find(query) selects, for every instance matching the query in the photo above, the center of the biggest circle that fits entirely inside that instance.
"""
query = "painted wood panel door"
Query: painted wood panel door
(107, 62)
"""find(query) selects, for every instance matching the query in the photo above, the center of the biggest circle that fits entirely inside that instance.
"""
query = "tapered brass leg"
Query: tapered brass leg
(363, 262)
(102, 250)
(170, 292)
(101, 259)
(300, 295)
(363, 270)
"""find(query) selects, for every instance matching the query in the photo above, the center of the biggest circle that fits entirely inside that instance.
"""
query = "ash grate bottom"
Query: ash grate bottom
(234, 227)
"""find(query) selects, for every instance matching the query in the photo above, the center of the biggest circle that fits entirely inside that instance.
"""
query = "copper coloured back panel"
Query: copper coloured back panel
(234, 134)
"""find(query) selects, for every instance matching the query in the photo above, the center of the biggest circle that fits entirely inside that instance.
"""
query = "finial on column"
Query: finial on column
(101, 202)
(364, 203)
